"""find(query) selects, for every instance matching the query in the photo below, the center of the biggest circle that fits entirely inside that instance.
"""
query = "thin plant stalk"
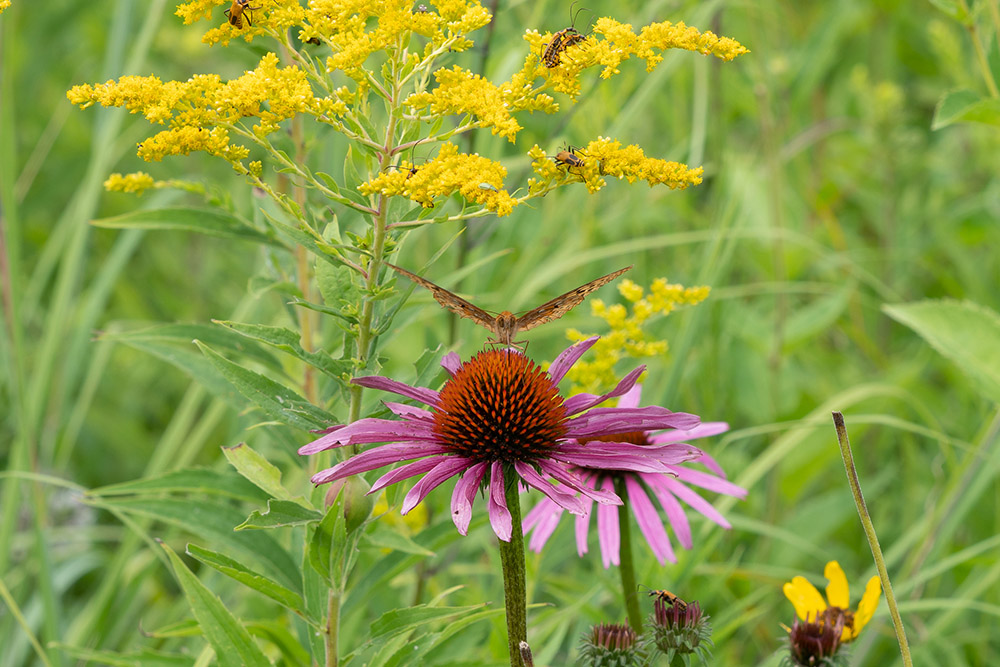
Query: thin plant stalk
(512, 563)
(866, 521)
(627, 567)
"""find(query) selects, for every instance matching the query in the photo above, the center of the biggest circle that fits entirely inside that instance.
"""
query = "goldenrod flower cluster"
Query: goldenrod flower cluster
(4, 4)
(202, 110)
(626, 336)
(619, 43)
(476, 178)
(136, 183)
(459, 91)
(606, 157)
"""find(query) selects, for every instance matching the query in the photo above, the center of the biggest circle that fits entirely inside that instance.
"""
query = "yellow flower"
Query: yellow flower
(809, 604)
(136, 183)
(477, 179)
(626, 336)
(4, 4)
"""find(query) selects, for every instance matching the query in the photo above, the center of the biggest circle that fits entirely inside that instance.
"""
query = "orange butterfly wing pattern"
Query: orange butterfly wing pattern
(559, 306)
(452, 302)
(505, 326)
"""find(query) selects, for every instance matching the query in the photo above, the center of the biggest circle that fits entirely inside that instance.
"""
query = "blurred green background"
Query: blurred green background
(827, 196)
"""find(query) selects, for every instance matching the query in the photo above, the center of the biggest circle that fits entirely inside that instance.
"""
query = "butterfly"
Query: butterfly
(506, 325)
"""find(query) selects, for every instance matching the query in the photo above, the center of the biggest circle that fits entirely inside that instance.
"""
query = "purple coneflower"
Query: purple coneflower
(669, 485)
(501, 412)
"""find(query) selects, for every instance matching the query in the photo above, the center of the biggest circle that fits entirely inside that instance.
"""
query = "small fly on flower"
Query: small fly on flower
(506, 325)
(562, 40)
(237, 10)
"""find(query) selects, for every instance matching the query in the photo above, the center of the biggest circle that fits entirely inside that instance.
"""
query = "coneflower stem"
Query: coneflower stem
(627, 568)
(866, 521)
(512, 562)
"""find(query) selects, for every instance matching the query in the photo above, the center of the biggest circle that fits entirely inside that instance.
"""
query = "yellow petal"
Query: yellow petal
(837, 592)
(804, 596)
(868, 604)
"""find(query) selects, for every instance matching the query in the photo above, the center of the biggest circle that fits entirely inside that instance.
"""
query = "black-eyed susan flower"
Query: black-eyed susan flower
(500, 415)
(810, 605)
(670, 486)
(611, 645)
(816, 643)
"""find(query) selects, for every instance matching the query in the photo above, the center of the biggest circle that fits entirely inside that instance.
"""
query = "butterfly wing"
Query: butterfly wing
(452, 302)
(561, 305)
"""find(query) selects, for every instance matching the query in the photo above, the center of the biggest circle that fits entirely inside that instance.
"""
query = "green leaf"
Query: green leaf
(192, 480)
(142, 658)
(398, 621)
(965, 332)
(210, 221)
(213, 522)
(257, 469)
(231, 641)
(275, 400)
(289, 341)
(965, 106)
(281, 513)
(248, 577)
(384, 537)
(329, 538)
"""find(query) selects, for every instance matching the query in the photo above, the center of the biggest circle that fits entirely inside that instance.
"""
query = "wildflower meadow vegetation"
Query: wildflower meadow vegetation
(465, 332)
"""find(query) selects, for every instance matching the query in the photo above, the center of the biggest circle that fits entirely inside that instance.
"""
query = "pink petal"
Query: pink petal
(631, 398)
(649, 522)
(703, 430)
(405, 472)
(707, 481)
(568, 357)
(558, 495)
(445, 470)
(675, 513)
(544, 517)
(365, 431)
(696, 502)
(422, 394)
(584, 486)
(608, 533)
(408, 411)
(464, 494)
(376, 458)
(500, 517)
(451, 362)
(583, 527)
(581, 402)
(711, 464)
(600, 421)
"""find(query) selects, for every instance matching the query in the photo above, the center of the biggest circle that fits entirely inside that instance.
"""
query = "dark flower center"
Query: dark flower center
(815, 642)
(500, 406)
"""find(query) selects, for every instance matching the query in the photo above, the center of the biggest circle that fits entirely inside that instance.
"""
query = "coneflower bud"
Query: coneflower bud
(679, 628)
(611, 645)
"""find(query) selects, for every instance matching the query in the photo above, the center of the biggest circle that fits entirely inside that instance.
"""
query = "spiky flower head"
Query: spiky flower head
(500, 415)
(611, 645)
(816, 643)
(678, 628)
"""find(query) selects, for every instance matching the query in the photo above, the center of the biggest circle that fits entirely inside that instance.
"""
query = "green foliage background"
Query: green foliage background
(828, 197)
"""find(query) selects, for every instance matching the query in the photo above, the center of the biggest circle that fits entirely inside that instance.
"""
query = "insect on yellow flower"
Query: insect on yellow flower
(568, 158)
(810, 605)
(561, 41)
(237, 10)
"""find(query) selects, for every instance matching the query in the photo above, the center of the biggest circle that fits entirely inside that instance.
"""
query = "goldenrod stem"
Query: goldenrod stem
(512, 563)
(866, 521)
